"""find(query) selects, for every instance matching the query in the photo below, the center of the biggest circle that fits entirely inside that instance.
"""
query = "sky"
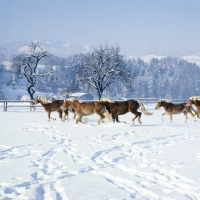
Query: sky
(135, 25)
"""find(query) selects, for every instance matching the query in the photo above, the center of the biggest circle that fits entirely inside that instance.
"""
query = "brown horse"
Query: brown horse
(195, 100)
(86, 108)
(52, 105)
(171, 109)
(122, 107)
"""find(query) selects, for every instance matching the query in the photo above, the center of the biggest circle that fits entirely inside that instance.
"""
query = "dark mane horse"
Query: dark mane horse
(171, 108)
(52, 105)
(195, 100)
(87, 108)
(122, 107)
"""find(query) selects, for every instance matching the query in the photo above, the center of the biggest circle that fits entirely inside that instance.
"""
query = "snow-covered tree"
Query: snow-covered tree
(101, 68)
(26, 64)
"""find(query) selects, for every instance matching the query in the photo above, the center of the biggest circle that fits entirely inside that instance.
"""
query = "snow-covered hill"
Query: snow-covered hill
(66, 49)
(148, 58)
(192, 59)
(58, 48)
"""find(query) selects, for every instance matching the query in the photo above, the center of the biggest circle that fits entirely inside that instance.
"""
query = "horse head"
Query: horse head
(36, 100)
(67, 103)
(160, 103)
(192, 100)
(40, 99)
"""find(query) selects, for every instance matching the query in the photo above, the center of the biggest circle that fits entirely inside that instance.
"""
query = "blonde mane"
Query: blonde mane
(70, 99)
(165, 100)
(194, 98)
(44, 100)
(107, 100)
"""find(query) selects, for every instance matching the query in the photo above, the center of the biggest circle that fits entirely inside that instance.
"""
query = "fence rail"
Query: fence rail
(8, 104)
(17, 104)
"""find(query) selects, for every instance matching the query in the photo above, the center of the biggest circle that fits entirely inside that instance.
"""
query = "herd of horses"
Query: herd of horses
(110, 109)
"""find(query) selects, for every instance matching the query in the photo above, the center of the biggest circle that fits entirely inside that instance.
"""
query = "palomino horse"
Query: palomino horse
(171, 109)
(52, 105)
(196, 101)
(87, 108)
(122, 107)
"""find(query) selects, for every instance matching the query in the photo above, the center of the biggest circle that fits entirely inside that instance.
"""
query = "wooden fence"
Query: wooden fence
(19, 104)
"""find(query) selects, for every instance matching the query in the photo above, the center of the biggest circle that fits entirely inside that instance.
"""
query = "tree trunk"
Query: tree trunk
(31, 91)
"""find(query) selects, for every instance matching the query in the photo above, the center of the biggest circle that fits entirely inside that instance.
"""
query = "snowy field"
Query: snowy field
(60, 160)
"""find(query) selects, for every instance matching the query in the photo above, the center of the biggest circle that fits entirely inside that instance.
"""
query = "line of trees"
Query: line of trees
(105, 72)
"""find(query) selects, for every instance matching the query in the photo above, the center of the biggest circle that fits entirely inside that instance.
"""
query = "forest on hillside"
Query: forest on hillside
(168, 77)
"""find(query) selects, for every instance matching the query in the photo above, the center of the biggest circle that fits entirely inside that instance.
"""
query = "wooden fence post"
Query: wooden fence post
(32, 107)
(5, 105)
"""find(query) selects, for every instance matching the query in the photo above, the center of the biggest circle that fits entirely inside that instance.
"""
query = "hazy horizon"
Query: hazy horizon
(139, 27)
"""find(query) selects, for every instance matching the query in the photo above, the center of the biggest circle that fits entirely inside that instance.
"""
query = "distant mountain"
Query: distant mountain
(192, 59)
(148, 58)
(58, 48)
(189, 58)
(66, 49)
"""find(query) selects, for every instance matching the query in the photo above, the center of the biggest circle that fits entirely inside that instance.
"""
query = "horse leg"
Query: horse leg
(108, 116)
(66, 115)
(78, 119)
(101, 117)
(137, 115)
(60, 114)
(193, 115)
(114, 117)
(171, 117)
(49, 113)
(186, 117)
(163, 117)
(117, 119)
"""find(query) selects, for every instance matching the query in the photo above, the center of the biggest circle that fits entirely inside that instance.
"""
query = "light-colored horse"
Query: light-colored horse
(171, 108)
(52, 105)
(87, 108)
(194, 100)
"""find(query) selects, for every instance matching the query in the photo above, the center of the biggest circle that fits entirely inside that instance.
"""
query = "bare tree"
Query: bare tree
(102, 68)
(26, 64)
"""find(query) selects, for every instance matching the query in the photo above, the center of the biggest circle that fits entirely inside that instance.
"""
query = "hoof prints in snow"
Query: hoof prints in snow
(112, 161)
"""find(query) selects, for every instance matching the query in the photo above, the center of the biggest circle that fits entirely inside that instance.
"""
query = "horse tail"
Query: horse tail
(195, 111)
(107, 108)
(143, 109)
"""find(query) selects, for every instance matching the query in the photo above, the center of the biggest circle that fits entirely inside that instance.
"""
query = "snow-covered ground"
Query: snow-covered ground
(60, 160)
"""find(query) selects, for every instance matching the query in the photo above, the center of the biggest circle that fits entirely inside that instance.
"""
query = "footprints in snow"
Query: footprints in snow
(117, 151)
